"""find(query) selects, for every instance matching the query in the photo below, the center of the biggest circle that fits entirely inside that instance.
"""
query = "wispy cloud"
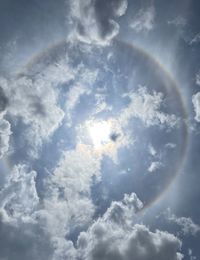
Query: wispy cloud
(144, 20)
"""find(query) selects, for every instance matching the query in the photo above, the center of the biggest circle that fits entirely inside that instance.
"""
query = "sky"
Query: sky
(99, 130)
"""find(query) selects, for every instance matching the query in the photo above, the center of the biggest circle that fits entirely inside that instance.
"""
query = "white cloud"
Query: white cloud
(114, 236)
(5, 132)
(152, 150)
(144, 20)
(18, 198)
(83, 85)
(35, 102)
(198, 78)
(95, 20)
(170, 145)
(67, 203)
(188, 227)
(5, 127)
(154, 166)
(196, 104)
(146, 107)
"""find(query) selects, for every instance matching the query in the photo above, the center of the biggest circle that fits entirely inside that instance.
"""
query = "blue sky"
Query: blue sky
(99, 130)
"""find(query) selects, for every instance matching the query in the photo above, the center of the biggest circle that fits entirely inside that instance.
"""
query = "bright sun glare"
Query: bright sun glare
(100, 133)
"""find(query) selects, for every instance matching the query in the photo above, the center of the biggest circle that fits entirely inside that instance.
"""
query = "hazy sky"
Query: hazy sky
(99, 130)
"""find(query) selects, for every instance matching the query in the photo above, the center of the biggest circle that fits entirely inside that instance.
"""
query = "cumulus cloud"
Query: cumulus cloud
(196, 104)
(21, 236)
(95, 20)
(144, 21)
(113, 237)
(35, 102)
(67, 204)
(18, 198)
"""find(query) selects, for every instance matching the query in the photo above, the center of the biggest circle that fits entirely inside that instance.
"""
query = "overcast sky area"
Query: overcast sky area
(99, 130)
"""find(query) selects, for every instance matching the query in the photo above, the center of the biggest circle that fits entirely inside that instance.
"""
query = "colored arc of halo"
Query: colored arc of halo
(174, 85)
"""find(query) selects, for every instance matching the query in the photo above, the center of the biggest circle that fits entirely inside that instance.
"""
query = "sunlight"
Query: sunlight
(100, 133)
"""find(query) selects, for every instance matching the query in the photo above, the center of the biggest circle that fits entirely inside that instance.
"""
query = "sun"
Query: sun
(100, 133)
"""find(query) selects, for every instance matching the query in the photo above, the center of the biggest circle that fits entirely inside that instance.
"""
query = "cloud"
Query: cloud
(146, 107)
(196, 104)
(152, 150)
(68, 206)
(198, 78)
(5, 127)
(95, 20)
(170, 145)
(179, 21)
(21, 236)
(18, 198)
(195, 39)
(188, 227)
(35, 103)
(154, 166)
(85, 78)
(5, 133)
(144, 21)
(3, 100)
(190, 254)
(114, 236)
